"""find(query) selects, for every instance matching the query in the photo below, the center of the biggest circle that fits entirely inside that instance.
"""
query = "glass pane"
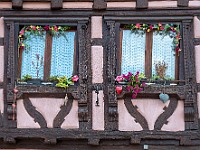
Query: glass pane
(163, 51)
(63, 55)
(133, 52)
(34, 49)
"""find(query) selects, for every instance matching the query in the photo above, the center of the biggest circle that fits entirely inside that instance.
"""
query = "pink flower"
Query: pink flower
(75, 78)
(119, 79)
(21, 32)
(161, 28)
(56, 28)
(46, 28)
(137, 25)
(34, 28)
(15, 90)
(151, 27)
(118, 89)
(134, 95)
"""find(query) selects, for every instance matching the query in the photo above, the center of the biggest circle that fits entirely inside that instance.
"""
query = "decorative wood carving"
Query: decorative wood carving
(99, 4)
(93, 141)
(136, 114)
(141, 3)
(183, 3)
(17, 4)
(162, 119)
(58, 4)
(191, 120)
(64, 111)
(50, 141)
(9, 140)
(31, 110)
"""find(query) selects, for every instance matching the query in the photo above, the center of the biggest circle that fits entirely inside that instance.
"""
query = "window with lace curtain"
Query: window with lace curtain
(144, 46)
(46, 51)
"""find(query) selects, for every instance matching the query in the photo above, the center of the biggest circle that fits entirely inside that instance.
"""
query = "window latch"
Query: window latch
(97, 92)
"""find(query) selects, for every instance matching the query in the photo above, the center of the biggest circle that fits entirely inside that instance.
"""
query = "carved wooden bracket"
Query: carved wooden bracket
(56, 4)
(17, 4)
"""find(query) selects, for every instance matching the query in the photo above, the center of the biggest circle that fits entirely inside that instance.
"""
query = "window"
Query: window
(149, 47)
(46, 51)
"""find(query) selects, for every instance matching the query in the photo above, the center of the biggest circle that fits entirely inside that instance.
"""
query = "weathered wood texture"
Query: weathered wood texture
(17, 4)
(141, 3)
(99, 4)
(58, 4)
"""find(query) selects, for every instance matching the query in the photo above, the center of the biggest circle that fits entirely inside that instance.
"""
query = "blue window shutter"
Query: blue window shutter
(63, 55)
(133, 52)
(35, 44)
(162, 51)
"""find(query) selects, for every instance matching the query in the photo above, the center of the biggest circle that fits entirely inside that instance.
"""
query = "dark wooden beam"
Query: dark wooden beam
(1, 41)
(1, 85)
(17, 4)
(196, 41)
(96, 41)
(99, 4)
(182, 3)
(56, 4)
(141, 3)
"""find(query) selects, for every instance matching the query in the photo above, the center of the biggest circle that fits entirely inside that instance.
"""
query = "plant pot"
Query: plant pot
(34, 81)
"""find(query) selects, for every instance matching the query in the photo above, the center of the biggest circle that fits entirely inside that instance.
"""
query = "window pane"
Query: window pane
(63, 55)
(162, 50)
(35, 46)
(133, 52)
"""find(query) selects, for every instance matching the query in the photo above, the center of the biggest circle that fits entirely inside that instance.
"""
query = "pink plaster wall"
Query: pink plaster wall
(1, 101)
(96, 27)
(71, 120)
(197, 62)
(97, 64)
(36, 5)
(162, 4)
(24, 120)
(195, 3)
(121, 4)
(196, 27)
(176, 121)
(97, 112)
(126, 121)
(49, 108)
(5, 5)
(198, 102)
(77, 4)
(150, 109)
(1, 63)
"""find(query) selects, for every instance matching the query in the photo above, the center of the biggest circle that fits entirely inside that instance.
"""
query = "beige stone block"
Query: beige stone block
(77, 4)
(97, 64)
(176, 121)
(96, 27)
(36, 5)
(121, 4)
(162, 4)
(196, 27)
(197, 62)
(98, 111)
(5, 5)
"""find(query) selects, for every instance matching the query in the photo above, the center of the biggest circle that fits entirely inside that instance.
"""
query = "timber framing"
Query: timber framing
(12, 137)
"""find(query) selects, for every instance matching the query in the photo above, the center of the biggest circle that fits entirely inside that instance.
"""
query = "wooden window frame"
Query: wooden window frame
(48, 56)
(148, 55)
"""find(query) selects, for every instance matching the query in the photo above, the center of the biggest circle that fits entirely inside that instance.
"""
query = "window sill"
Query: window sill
(47, 91)
(153, 91)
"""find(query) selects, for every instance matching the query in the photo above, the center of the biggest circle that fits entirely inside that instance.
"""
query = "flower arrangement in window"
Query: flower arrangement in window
(165, 29)
(39, 30)
(65, 82)
(134, 83)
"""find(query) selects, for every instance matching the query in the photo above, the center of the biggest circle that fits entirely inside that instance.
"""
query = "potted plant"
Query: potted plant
(54, 80)
(134, 84)
(37, 65)
(65, 82)
(160, 68)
